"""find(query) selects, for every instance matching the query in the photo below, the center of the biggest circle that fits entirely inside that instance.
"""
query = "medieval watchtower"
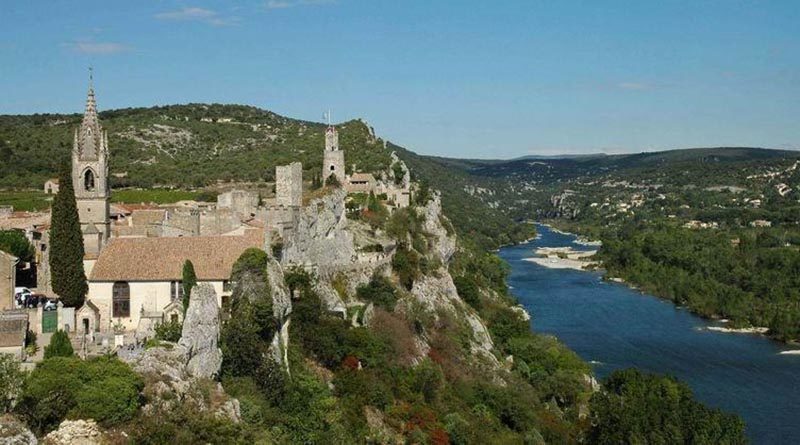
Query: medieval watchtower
(333, 158)
(90, 177)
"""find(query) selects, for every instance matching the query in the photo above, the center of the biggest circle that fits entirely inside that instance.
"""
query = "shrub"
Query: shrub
(379, 291)
(59, 346)
(468, 291)
(169, 331)
(406, 263)
(241, 345)
(104, 389)
(11, 379)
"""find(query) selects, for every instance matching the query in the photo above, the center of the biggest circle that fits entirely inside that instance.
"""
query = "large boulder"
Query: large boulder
(200, 335)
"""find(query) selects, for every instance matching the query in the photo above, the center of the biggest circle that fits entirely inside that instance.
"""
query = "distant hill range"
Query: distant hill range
(200, 144)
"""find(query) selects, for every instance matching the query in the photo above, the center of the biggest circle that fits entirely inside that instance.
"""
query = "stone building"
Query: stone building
(8, 275)
(13, 329)
(90, 178)
(361, 183)
(289, 184)
(280, 217)
(333, 157)
(51, 186)
(137, 279)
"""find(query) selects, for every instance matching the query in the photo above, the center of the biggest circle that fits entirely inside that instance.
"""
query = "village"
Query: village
(134, 253)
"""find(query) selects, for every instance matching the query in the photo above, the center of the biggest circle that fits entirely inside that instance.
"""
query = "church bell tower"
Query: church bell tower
(90, 177)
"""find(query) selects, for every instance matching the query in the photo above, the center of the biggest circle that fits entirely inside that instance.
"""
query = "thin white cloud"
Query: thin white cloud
(194, 14)
(283, 4)
(98, 48)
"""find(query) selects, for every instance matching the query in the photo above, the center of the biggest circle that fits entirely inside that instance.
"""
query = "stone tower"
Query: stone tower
(90, 177)
(333, 158)
(289, 185)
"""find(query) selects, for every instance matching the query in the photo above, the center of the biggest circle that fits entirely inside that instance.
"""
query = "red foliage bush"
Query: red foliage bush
(350, 362)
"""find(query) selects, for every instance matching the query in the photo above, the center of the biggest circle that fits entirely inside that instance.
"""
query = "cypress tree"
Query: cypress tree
(189, 280)
(66, 245)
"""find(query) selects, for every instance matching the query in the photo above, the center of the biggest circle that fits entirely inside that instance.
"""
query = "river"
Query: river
(614, 327)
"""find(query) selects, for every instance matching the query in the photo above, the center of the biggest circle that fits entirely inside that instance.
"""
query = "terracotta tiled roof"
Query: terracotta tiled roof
(362, 177)
(161, 259)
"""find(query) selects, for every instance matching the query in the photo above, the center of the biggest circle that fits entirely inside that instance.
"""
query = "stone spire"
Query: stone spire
(90, 114)
(90, 139)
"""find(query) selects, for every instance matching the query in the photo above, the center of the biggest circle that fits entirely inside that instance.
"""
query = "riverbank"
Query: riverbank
(563, 258)
(614, 327)
(752, 330)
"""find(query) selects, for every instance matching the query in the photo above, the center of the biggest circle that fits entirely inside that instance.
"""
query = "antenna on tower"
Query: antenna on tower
(327, 116)
(91, 77)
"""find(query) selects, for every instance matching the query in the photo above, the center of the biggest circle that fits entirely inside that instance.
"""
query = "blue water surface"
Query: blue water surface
(614, 327)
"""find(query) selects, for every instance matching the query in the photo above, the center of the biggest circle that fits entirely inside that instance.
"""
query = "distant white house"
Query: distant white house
(51, 186)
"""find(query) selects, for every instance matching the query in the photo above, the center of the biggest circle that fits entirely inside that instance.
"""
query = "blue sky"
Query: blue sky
(482, 79)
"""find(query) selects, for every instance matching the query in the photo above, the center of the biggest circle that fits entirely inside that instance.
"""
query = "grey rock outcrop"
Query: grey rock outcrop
(14, 432)
(168, 384)
(281, 300)
(281, 309)
(76, 432)
(444, 244)
(321, 237)
(200, 335)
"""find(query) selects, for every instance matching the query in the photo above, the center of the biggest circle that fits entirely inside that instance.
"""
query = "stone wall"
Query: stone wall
(289, 184)
(243, 202)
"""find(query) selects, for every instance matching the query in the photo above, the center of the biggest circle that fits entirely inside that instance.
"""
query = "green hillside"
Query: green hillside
(181, 145)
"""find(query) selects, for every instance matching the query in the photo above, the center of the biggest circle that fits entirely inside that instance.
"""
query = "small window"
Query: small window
(333, 168)
(121, 299)
(88, 180)
(176, 290)
(226, 286)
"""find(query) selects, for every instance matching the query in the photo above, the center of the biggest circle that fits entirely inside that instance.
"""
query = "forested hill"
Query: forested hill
(181, 145)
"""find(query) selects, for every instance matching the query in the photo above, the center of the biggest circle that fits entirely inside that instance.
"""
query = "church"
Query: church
(135, 282)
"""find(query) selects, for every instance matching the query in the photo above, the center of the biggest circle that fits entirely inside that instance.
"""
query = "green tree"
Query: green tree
(66, 246)
(59, 346)
(15, 243)
(644, 408)
(189, 280)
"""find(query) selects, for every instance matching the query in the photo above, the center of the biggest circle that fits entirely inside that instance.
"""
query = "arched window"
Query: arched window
(88, 180)
(121, 298)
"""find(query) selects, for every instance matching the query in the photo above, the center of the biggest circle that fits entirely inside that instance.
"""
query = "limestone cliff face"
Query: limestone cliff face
(436, 291)
(281, 309)
(323, 240)
(444, 244)
(321, 237)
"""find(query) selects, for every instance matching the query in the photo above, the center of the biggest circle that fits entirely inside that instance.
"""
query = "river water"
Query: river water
(614, 327)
